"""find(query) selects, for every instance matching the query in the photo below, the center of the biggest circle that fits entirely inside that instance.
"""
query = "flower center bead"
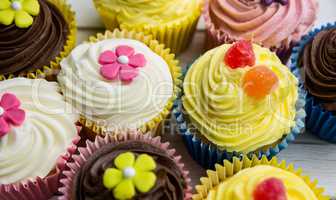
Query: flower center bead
(123, 60)
(16, 5)
(2, 111)
(129, 172)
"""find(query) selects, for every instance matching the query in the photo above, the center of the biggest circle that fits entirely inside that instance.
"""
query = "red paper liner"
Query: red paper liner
(84, 153)
(39, 188)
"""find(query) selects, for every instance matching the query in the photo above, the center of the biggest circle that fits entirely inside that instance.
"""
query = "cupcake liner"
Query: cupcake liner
(49, 72)
(215, 37)
(91, 147)
(39, 188)
(319, 121)
(175, 35)
(228, 169)
(207, 155)
(154, 124)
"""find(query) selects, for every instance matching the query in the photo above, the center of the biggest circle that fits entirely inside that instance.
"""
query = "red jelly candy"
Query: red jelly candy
(240, 54)
(270, 189)
(259, 81)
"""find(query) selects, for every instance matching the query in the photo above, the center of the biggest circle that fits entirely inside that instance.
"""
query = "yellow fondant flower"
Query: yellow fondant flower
(130, 175)
(20, 11)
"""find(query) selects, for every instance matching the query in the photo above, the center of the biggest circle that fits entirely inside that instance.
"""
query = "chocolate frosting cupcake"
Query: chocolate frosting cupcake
(28, 49)
(88, 182)
(318, 60)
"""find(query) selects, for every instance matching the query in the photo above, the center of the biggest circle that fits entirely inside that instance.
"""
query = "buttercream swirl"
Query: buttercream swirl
(32, 149)
(275, 25)
(88, 181)
(112, 103)
(150, 12)
(28, 49)
(218, 107)
(242, 185)
(318, 60)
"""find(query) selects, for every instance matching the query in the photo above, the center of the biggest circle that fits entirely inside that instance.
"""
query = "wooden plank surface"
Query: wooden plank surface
(316, 157)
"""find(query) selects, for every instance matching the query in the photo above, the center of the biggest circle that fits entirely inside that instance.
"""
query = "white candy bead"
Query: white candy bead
(123, 59)
(129, 172)
(16, 5)
(2, 111)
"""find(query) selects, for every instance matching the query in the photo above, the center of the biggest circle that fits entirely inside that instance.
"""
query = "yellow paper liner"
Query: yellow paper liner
(175, 35)
(228, 169)
(154, 124)
(49, 72)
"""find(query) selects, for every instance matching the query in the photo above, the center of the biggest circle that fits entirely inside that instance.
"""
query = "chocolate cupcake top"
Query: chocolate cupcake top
(318, 60)
(113, 172)
(25, 47)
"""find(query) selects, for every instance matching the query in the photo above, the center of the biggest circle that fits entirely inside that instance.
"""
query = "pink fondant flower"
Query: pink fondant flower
(122, 63)
(10, 113)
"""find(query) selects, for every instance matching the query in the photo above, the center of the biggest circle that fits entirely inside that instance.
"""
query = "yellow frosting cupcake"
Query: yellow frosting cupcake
(243, 185)
(171, 22)
(219, 104)
(254, 179)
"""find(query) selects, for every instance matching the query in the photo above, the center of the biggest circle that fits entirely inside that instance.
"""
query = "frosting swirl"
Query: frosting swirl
(225, 115)
(36, 46)
(319, 64)
(88, 181)
(241, 186)
(272, 26)
(153, 12)
(32, 149)
(112, 103)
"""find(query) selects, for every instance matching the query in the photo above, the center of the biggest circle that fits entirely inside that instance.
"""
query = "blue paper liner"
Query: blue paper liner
(207, 155)
(319, 121)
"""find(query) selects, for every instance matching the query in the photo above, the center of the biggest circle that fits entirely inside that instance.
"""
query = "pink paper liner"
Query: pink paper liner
(84, 153)
(39, 188)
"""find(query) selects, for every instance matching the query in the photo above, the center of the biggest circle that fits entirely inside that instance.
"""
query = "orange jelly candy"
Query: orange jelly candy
(259, 81)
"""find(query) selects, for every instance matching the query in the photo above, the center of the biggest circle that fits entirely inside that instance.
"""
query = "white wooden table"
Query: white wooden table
(316, 157)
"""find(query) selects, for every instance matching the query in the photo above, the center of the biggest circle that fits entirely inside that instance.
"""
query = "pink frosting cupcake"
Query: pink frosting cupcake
(277, 25)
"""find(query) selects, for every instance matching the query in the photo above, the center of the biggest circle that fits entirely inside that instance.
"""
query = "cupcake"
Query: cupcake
(171, 22)
(34, 36)
(239, 99)
(258, 179)
(314, 57)
(125, 165)
(37, 134)
(120, 80)
(275, 24)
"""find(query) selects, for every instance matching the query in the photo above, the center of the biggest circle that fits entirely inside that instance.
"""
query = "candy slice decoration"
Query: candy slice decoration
(270, 189)
(259, 82)
(240, 54)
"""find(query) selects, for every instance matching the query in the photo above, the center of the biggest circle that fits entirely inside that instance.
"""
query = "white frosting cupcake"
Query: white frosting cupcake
(111, 101)
(46, 129)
